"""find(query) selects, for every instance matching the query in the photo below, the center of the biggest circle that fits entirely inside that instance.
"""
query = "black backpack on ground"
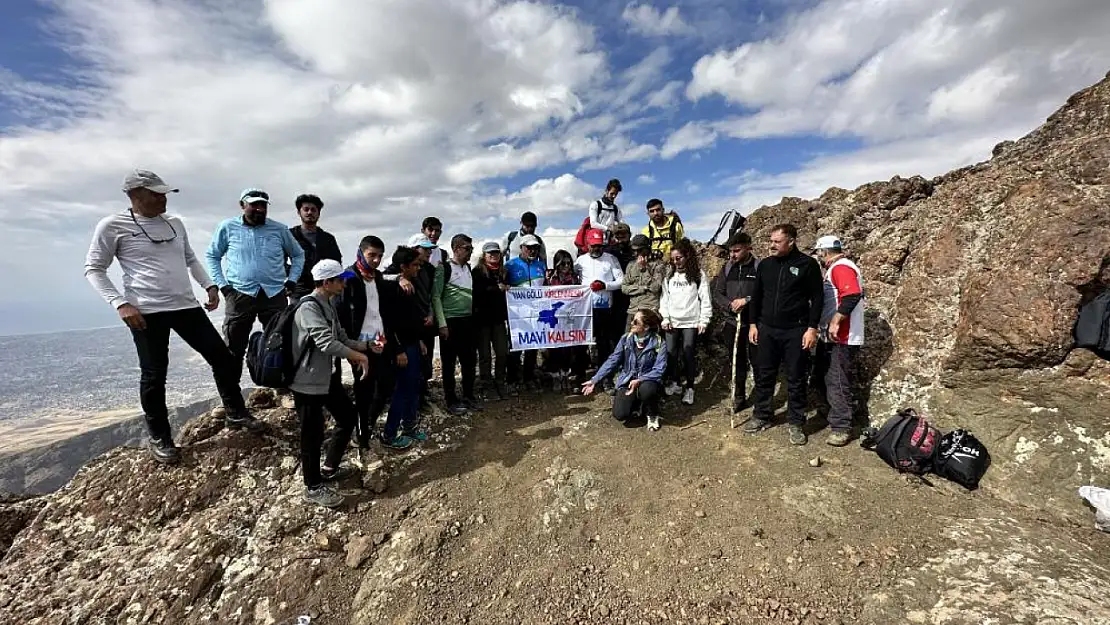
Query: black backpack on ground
(1092, 328)
(907, 442)
(962, 459)
(270, 350)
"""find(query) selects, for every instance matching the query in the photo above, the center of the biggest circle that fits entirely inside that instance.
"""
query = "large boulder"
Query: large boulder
(974, 280)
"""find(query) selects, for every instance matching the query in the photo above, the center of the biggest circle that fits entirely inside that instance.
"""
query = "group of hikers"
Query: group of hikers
(651, 301)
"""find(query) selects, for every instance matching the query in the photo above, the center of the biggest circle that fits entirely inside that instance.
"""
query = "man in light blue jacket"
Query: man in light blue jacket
(246, 260)
(318, 340)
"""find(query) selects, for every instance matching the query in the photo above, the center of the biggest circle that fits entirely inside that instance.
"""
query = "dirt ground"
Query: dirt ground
(548, 511)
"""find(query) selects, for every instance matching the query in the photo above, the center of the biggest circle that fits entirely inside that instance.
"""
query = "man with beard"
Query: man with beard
(157, 261)
(785, 312)
(254, 281)
(315, 241)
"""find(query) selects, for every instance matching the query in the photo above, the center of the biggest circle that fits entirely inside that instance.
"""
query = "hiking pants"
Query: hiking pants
(152, 345)
(372, 394)
(646, 396)
(403, 410)
(681, 345)
(239, 317)
(745, 356)
(310, 409)
(834, 376)
(778, 347)
(493, 347)
(458, 346)
(522, 373)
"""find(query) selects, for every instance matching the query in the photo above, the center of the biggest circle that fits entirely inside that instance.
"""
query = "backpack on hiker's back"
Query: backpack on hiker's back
(270, 350)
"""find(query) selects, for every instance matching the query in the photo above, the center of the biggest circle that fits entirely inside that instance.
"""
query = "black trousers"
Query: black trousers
(781, 347)
(682, 350)
(493, 337)
(745, 357)
(310, 409)
(152, 345)
(428, 338)
(605, 335)
(460, 346)
(525, 372)
(239, 317)
(834, 375)
(372, 394)
(646, 397)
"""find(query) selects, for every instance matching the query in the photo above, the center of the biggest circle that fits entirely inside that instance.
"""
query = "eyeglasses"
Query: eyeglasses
(636, 321)
(147, 234)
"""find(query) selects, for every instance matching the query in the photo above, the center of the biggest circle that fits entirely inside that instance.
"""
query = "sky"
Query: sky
(477, 110)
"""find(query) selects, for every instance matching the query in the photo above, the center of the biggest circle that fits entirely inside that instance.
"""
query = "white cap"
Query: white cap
(252, 195)
(328, 268)
(421, 240)
(828, 242)
(144, 179)
(529, 239)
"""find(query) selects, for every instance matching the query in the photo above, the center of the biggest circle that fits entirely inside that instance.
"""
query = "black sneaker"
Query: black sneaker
(456, 409)
(244, 421)
(755, 426)
(323, 496)
(338, 475)
(472, 403)
(164, 451)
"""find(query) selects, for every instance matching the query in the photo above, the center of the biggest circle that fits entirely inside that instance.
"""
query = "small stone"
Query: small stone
(816, 462)
(603, 610)
(380, 538)
(700, 514)
(359, 549)
(716, 554)
(324, 542)
(481, 520)
(757, 532)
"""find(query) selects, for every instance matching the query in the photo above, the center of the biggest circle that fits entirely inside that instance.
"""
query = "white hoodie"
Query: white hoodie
(685, 305)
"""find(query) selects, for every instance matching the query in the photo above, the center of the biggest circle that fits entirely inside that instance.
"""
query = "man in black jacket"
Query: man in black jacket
(316, 243)
(785, 312)
(362, 317)
(732, 290)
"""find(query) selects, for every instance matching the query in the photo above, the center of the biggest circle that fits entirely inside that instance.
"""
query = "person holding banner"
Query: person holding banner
(492, 315)
(565, 360)
(604, 275)
(527, 269)
(641, 359)
(687, 308)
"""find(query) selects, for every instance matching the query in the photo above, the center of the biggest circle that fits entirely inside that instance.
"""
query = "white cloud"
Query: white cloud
(647, 20)
(692, 136)
(645, 179)
(620, 149)
(666, 96)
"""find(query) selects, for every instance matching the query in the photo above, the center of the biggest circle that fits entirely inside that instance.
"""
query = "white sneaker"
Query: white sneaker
(672, 389)
(688, 397)
(653, 424)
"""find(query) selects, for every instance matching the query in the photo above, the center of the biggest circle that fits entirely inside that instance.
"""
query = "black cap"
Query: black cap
(641, 242)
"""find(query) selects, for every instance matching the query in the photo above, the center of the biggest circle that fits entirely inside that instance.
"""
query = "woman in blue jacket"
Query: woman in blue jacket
(641, 357)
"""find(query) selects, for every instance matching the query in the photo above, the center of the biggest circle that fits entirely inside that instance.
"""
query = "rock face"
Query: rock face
(973, 282)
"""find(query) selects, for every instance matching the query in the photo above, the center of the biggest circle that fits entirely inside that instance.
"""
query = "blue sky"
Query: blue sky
(476, 110)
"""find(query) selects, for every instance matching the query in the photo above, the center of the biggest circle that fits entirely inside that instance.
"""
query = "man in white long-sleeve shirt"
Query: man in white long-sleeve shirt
(603, 274)
(154, 252)
(605, 212)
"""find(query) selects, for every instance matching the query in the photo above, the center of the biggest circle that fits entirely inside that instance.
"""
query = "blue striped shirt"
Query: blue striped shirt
(255, 256)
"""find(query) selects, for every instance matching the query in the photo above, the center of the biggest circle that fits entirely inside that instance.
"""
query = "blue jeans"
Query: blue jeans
(406, 394)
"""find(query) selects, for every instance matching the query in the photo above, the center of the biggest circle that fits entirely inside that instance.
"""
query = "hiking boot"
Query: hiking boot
(472, 404)
(672, 389)
(755, 426)
(688, 397)
(653, 424)
(338, 475)
(797, 435)
(243, 421)
(398, 443)
(839, 439)
(418, 436)
(164, 451)
(739, 405)
(323, 496)
(456, 409)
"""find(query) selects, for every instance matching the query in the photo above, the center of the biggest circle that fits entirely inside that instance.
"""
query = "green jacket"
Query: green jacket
(452, 295)
(643, 286)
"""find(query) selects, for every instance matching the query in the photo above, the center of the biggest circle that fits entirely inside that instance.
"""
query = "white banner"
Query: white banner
(550, 316)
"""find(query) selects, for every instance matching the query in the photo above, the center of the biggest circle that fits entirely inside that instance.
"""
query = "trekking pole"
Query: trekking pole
(735, 346)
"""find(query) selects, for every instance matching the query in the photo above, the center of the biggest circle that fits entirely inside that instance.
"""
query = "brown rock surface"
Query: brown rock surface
(973, 282)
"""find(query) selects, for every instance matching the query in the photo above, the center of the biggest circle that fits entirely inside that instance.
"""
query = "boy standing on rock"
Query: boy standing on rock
(318, 340)
(153, 251)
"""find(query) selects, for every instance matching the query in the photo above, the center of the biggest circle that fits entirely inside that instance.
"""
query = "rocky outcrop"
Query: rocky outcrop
(973, 281)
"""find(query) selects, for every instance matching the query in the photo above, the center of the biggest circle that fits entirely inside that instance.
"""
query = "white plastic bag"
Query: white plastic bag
(1100, 499)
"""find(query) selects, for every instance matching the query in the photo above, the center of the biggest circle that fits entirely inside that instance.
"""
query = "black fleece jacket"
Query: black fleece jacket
(789, 292)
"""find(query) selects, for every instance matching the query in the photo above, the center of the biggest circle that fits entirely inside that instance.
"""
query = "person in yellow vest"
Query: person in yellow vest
(663, 229)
